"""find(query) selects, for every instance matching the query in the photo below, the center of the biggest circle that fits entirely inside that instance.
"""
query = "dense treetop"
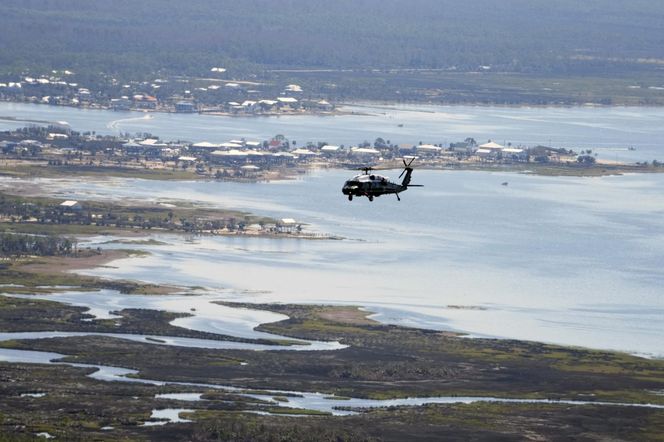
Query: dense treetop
(175, 36)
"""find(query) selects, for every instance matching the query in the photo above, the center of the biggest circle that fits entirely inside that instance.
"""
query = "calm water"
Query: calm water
(608, 131)
(567, 260)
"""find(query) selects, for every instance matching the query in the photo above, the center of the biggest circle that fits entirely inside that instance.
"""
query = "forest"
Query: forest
(16, 245)
(134, 39)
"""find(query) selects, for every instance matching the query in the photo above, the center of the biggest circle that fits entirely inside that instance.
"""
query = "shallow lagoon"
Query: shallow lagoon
(572, 261)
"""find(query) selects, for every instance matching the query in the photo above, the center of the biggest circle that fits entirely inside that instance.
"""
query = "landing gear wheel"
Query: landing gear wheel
(350, 197)
(370, 197)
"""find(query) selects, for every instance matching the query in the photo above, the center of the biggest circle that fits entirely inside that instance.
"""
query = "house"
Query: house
(287, 103)
(428, 150)
(145, 101)
(56, 136)
(515, 154)
(71, 206)
(132, 148)
(492, 146)
(253, 144)
(287, 225)
(304, 152)
(120, 104)
(329, 150)
(249, 170)
(365, 153)
(186, 161)
(490, 151)
(296, 88)
(229, 157)
(204, 146)
(325, 106)
(483, 153)
(231, 145)
(249, 105)
(185, 107)
(266, 105)
(463, 147)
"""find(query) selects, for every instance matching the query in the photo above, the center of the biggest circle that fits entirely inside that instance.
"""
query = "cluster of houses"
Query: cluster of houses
(251, 156)
(290, 100)
(249, 106)
(213, 95)
(21, 148)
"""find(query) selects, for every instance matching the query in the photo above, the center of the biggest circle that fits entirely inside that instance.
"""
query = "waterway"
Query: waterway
(574, 261)
(296, 399)
(608, 131)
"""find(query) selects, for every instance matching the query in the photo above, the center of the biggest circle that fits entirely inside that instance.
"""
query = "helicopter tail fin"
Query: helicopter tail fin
(408, 171)
(406, 178)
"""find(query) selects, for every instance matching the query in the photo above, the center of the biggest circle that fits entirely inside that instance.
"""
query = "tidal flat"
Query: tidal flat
(381, 362)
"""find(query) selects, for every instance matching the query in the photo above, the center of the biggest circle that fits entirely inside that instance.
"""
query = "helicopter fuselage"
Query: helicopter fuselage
(371, 185)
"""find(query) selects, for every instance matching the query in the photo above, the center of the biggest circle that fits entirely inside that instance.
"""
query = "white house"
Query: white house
(71, 205)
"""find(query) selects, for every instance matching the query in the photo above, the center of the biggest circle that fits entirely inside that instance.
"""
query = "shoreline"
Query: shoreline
(377, 104)
(350, 315)
(114, 171)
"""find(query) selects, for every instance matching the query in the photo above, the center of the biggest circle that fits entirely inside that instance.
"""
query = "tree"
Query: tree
(586, 160)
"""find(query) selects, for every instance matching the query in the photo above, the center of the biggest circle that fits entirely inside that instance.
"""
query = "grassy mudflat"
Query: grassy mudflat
(37, 169)
(40, 274)
(380, 362)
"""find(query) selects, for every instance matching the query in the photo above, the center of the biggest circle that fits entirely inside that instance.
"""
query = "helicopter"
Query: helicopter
(373, 185)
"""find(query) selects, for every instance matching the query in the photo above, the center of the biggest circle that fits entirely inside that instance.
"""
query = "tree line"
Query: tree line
(17, 245)
(127, 38)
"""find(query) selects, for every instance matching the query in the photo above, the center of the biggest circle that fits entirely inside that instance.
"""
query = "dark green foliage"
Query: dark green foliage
(134, 37)
(586, 159)
(23, 245)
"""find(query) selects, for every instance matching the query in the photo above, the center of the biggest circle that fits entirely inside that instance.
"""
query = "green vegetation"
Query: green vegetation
(518, 51)
(381, 362)
(42, 171)
(29, 245)
(519, 35)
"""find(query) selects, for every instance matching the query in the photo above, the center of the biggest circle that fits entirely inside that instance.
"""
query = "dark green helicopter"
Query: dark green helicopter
(373, 185)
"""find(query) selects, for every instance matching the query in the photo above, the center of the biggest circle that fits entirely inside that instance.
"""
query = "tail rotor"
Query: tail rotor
(406, 166)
